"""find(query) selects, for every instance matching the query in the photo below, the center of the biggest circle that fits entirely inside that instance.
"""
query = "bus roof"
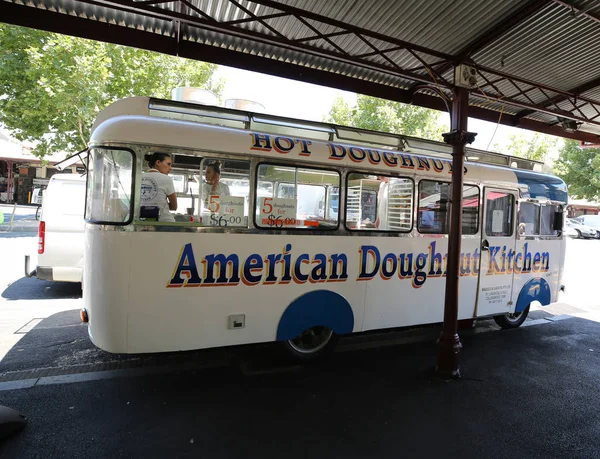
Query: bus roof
(277, 125)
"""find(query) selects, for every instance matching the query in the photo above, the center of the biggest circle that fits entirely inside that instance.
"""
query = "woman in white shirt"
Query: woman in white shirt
(157, 187)
(212, 185)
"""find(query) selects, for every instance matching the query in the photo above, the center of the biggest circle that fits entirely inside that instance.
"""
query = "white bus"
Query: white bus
(327, 231)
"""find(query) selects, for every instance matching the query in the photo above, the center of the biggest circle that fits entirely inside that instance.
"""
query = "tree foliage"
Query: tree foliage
(580, 169)
(536, 147)
(387, 116)
(52, 86)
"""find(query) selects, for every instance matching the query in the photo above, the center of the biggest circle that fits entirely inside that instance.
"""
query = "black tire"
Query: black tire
(312, 344)
(507, 321)
(578, 234)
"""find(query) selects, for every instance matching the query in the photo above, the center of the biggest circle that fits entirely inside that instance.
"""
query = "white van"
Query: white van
(60, 233)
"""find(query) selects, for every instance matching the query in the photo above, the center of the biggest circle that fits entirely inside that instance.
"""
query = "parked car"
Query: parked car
(591, 220)
(60, 232)
(575, 228)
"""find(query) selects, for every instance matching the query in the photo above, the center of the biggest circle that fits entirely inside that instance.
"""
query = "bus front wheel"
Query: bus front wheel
(512, 320)
(312, 344)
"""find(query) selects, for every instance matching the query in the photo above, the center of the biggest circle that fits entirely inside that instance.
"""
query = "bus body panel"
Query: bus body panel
(106, 287)
(553, 250)
(164, 316)
(403, 294)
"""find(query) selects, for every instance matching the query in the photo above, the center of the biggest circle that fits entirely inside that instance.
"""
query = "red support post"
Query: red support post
(447, 363)
(9, 183)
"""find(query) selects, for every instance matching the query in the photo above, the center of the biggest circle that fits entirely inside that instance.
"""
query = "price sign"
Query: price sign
(278, 212)
(224, 211)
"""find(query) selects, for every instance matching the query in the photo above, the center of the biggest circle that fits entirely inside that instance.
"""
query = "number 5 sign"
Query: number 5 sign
(225, 211)
(277, 212)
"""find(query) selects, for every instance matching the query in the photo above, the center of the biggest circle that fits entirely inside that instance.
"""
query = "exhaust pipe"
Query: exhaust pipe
(27, 272)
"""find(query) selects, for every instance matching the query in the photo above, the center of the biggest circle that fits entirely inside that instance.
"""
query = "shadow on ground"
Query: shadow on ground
(36, 289)
(61, 340)
(9, 234)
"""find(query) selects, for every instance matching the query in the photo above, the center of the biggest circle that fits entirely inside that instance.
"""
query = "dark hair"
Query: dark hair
(156, 157)
(216, 165)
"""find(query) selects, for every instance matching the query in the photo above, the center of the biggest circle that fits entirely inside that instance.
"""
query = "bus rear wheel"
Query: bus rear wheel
(512, 320)
(312, 344)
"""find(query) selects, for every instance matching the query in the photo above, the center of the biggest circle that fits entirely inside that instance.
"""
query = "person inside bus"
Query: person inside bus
(213, 185)
(382, 202)
(158, 190)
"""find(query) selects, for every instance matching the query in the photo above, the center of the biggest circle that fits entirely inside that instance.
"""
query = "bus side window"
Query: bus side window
(551, 214)
(110, 186)
(224, 191)
(292, 197)
(382, 203)
(434, 208)
(529, 219)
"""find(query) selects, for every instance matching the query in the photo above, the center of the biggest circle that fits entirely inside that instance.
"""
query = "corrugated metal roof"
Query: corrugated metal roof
(540, 55)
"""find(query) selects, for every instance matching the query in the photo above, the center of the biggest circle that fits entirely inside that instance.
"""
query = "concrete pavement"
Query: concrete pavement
(19, 219)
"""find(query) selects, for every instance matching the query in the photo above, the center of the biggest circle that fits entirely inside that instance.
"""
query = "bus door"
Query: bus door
(497, 252)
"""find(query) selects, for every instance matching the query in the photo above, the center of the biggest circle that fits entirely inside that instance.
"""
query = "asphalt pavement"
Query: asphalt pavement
(527, 393)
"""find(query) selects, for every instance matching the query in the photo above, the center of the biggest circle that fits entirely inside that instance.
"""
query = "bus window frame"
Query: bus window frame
(201, 171)
(132, 199)
(480, 203)
(365, 231)
(295, 230)
(541, 204)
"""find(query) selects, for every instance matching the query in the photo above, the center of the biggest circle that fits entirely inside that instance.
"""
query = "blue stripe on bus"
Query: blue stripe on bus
(318, 308)
(535, 185)
(534, 290)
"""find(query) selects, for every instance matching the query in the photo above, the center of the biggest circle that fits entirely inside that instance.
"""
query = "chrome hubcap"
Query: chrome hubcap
(311, 340)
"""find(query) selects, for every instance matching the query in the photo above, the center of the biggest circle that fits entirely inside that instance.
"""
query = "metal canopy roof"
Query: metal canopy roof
(537, 62)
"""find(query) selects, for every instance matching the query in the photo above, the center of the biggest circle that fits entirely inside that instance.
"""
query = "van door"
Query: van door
(498, 241)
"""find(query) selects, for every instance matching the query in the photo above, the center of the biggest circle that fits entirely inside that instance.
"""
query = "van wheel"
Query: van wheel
(312, 344)
(512, 320)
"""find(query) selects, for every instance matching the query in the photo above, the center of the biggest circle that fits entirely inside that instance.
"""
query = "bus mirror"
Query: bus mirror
(558, 220)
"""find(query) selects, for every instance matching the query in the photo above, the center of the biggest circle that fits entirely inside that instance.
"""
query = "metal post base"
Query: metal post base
(11, 421)
(449, 351)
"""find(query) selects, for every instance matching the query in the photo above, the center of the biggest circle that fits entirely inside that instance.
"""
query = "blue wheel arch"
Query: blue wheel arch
(536, 289)
(317, 308)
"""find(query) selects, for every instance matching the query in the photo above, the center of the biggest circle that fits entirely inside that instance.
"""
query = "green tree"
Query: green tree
(536, 147)
(387, 116)
(52, 86)
(580, 169)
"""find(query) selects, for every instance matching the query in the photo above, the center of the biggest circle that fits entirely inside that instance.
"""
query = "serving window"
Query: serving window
(298, 198)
